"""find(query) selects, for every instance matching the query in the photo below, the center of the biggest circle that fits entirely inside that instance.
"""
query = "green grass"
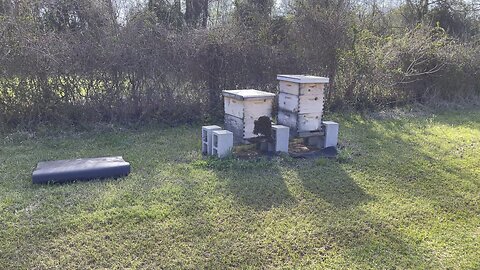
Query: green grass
(403, 193)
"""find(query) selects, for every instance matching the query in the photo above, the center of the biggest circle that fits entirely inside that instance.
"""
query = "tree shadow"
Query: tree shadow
(392, 151)
(268, 183)
(187, 214)
(258, 183)
(327, 180)
(374, 243)
(332, 200)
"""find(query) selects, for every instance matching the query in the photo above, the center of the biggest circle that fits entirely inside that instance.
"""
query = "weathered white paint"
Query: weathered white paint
(301, 104)
(222, 143)
(309, 121)
(288, 119)
(243, 108)
(311, 104)
(289, 88)
(300, 122)
(298, 89)
(241, 129)
(288, 102)
(311, 89)
(247, 108)
(253, 109)
(236, 126)
(233, 107)
(248, 130)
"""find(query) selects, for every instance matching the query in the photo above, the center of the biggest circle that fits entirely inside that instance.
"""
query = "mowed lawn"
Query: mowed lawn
(404, 193)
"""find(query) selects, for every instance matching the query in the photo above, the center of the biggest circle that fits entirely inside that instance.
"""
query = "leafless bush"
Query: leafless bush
(419, 65)
(69, 62)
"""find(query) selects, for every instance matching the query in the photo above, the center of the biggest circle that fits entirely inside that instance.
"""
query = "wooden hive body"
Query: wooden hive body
(243, 108)
(300, 102)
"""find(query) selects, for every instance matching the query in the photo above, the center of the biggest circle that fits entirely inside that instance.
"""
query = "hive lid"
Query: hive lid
(302, 79)
(247, 94)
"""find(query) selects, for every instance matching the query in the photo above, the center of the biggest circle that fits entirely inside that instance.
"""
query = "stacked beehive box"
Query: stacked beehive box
(243, 108)
(300, 103)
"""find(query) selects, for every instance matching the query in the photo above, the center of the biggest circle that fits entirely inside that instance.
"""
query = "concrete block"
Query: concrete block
(281, 136)
(331, 133)
(222, 143)
(207, 138)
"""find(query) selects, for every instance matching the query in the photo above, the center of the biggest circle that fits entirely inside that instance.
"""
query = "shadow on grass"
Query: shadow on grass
(254, 183)
(367, 242)
(169, 212)
(337, 224)
(326, 179)
(264, 184)
(405, 155)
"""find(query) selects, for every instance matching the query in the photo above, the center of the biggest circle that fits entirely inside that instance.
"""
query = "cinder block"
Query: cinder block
(222, 143)
(281, 136)
(207, 138)
(331, 133)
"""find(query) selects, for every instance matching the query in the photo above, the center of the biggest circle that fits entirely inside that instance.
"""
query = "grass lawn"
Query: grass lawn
(404, 193)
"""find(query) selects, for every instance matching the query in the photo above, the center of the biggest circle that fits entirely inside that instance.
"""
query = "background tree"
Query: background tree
(196, 13)
(168, 13)
(65, 61)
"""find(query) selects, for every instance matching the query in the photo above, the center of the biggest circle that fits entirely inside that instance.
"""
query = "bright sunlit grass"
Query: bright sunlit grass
(403, 193)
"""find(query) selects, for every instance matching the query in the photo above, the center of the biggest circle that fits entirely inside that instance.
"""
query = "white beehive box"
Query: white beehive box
(300, 102)
(242, 108)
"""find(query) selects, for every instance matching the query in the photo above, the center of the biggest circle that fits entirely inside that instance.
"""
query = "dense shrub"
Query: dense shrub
(69, 62)
(415, 66)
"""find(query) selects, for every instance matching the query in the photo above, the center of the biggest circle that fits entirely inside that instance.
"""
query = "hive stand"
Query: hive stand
(242, 108)
(328, 137)
(331, 134)
(207, 138)
(222, 143)
(281, 135)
